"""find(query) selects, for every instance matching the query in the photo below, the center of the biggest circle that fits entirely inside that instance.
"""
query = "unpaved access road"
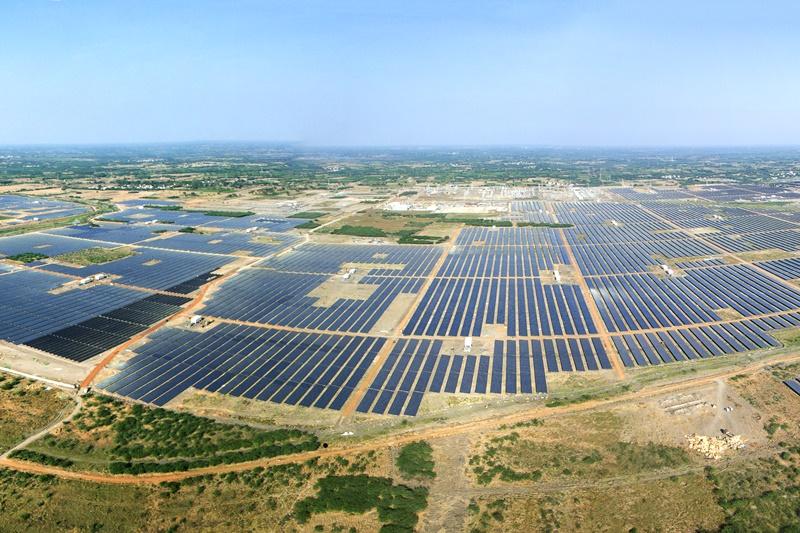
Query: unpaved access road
(434, 433)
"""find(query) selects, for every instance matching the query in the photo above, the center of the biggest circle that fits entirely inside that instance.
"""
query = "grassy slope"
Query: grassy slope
(110, 435)
(26, 406)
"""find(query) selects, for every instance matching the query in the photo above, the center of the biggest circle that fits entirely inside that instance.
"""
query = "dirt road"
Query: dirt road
(434, 433)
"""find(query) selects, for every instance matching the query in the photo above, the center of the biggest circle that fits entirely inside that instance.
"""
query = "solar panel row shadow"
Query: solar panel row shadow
(191, 285)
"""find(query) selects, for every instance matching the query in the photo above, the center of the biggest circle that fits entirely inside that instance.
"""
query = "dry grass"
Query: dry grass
(684, 503)
(26, 406)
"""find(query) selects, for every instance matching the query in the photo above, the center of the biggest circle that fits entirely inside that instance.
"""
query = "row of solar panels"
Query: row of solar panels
(642, 301)
(94, 336)
(277, 298)
(259, 363)
(415, 367)
(463, 307)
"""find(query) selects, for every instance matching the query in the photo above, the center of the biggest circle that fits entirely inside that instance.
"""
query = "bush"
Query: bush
(484, 222)
(228, 214)
(95, 255)
(397, 505)
(145, 439)
(416, 460)
(420, 239)
(542, 225)
(41, 458)
(308, 225)
(27, 257)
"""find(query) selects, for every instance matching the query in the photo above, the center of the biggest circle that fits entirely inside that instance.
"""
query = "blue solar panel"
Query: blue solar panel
(794, 385)
(259, 363)
(455, 370)
(439, 375)
(469, 371)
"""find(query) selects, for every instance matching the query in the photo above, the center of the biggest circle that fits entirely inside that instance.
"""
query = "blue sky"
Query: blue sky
(400, 73)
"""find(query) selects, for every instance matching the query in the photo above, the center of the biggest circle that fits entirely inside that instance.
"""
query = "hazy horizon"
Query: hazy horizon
(400, 74)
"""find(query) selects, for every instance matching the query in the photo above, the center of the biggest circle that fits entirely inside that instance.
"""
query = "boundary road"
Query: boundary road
(478, 426)
(377, 363)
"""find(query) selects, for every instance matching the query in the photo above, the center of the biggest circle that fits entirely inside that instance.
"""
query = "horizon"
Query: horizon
(312, 146)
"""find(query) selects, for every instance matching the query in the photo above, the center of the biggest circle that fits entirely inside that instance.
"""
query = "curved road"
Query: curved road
(472, 426)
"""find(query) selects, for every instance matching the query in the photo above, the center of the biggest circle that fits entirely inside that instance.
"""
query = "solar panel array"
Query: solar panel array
(85, 321)
(527, 307)
(226, 243)
(278, 298)
(644, 301)
(314, 333)
(262, 222)
(142, 213)
(100, 333)
(415, 367)
(114, 233)
(328, 259)
(258, 363)
(504, 276)
(49, 245)
(149, 268)
(27, 208)
(783, 268)
(794, 385)
(179, 218)
(29, 310)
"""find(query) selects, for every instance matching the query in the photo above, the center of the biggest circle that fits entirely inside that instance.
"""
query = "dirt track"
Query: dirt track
(474, 426)
(198, 300)
(594, 312)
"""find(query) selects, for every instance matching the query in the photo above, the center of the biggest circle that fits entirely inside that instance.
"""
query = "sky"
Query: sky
(380, 72)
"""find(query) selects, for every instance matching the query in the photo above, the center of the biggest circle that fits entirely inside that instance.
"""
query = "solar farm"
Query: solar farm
(503, 354)
(590, 282)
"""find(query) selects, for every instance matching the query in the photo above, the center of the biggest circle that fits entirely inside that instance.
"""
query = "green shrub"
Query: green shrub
(397, 505)
(416, 460)
(27, 257)
(41, 458)
(543, 225)
(308, 214)
(308, 225)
